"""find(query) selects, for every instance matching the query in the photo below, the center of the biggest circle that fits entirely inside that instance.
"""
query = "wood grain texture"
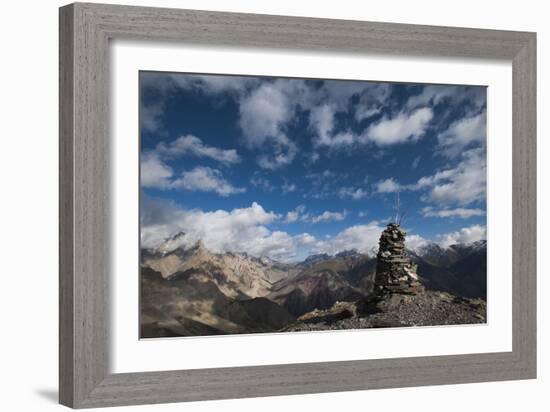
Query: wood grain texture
(85, 31)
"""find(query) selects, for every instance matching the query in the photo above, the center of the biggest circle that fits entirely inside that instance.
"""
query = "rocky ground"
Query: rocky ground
(427, 308)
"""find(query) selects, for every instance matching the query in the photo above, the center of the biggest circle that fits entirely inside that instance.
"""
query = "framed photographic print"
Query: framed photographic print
(269, 221)
(266, 205)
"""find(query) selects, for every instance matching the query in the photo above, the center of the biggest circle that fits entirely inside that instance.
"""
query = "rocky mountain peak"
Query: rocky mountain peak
(313, 259)
(347, 253)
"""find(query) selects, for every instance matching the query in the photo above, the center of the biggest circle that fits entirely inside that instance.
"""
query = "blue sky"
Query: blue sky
(290, 167)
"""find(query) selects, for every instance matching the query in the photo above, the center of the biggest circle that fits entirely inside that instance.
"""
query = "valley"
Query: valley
(194, 292)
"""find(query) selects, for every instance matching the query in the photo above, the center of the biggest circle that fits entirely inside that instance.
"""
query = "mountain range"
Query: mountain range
(191, 291)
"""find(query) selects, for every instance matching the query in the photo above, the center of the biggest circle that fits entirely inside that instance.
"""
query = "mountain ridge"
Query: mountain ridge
(238, 293)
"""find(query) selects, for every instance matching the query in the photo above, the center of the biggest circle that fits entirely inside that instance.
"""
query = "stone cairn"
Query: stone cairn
(394, 271)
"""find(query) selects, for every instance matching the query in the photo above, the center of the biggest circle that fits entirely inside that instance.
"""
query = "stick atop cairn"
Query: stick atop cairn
(394, 271)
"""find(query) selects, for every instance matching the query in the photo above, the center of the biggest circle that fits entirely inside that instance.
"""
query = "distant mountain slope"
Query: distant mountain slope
(236, 274)
(191, 304)
(458, 269)
(190, 291)
(323, 281)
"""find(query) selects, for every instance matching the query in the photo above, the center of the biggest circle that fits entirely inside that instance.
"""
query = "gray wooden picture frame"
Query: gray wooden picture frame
(85, 32)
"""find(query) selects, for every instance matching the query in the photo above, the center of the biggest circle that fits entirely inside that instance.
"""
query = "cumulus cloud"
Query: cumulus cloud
(296, 214)
(321, 120)
(415, 242)
(247, 230)
(192, 145)
(460, 212)
(214, 84)
(265, 108)
(281, 154)
(206, 84)
(239, 230)
(466, 235)
(205, 179)
(261, 182)
(401, 128)
(300, 214)
(157, 174)
(288, 187)
(150, 117)
(327, 216)
(463, 133)
(464, 184)
(352, 193)
(387, 186)
(263, 114)
(431, 95)
(154, 172)
(364, 238)
(470, 98)
(372, 100)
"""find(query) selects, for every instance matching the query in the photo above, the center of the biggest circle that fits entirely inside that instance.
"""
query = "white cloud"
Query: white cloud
(471, 98)
(336, 98)
(263, 114)
(364, 238)
(352, 193)
(205, 179)
(261, 182)
(154, 172)
(150, 117)
(190, 144)
(213, 84)
(299, 214)
(463, 133)
(415, 242)
(279, 156)
(463, 184)
(292, 216)
(288, 187)
(246, 230)
(372, 100)
(431, 95)
(404, 127)
(387, 186)
(321, 119)
(460, 212)
(416, 162)
(265, 108)
(464, 236)
(220, 231)
(327, 216)
(296, 214)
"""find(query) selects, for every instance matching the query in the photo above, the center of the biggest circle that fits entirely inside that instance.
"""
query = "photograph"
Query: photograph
(277, 205)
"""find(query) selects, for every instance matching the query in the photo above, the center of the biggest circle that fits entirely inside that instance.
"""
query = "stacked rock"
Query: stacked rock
(394, 271)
